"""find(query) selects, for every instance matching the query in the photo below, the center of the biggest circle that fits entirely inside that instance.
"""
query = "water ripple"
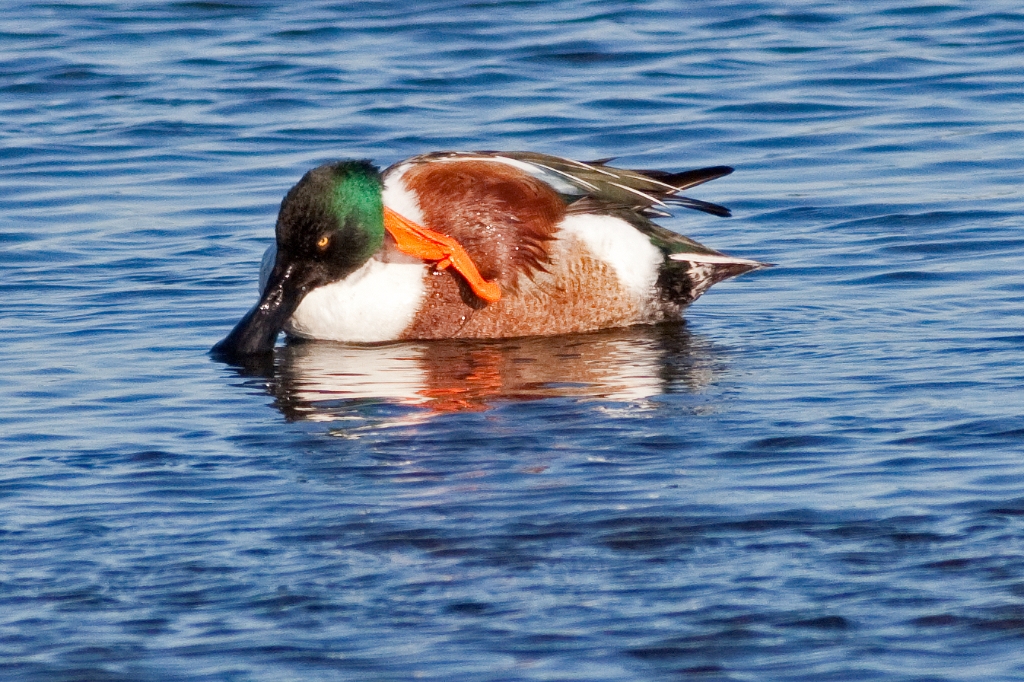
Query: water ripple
(818, 476)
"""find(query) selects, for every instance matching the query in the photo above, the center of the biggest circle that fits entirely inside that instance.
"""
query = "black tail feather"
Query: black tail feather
(698, 205)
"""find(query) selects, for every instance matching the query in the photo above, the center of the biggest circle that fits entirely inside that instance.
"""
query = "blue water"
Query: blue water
(819, 477)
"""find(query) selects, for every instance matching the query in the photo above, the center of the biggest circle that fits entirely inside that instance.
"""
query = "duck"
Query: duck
(481, 245)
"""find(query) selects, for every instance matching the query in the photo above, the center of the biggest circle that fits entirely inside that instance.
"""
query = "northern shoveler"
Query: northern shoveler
(478, 245)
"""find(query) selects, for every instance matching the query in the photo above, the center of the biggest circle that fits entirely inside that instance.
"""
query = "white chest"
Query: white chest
(375, 303)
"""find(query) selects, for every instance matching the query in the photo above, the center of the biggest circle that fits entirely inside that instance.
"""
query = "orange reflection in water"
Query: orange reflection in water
(319, 380)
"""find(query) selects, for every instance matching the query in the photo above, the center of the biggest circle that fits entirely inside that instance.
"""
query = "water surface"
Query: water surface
(819, 476)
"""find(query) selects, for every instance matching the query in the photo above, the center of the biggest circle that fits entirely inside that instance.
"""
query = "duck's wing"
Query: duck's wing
(637, 195)
(647, 191)
(634, 195)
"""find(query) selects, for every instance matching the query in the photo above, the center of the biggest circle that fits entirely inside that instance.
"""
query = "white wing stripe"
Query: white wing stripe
(710, 258)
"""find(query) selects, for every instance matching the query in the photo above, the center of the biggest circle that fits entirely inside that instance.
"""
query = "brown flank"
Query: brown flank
(576, 293)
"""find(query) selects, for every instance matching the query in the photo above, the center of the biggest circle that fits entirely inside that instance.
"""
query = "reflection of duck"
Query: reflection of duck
(327, 381)
(478, 245)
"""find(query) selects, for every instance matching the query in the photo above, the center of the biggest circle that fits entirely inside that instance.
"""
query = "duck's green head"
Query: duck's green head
(330, 223)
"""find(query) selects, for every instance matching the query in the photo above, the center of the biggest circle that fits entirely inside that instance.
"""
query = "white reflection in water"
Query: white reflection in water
(325, 381)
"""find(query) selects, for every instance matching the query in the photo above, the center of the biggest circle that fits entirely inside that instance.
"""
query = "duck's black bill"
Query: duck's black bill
(256, 333)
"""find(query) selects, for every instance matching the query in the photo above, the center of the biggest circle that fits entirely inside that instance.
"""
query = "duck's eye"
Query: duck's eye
(323, 242)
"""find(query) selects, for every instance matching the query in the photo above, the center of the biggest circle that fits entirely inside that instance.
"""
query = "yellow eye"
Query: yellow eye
(323, 242)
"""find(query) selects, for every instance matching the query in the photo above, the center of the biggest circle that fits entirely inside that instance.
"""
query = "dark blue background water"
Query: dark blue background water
(821, 476)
